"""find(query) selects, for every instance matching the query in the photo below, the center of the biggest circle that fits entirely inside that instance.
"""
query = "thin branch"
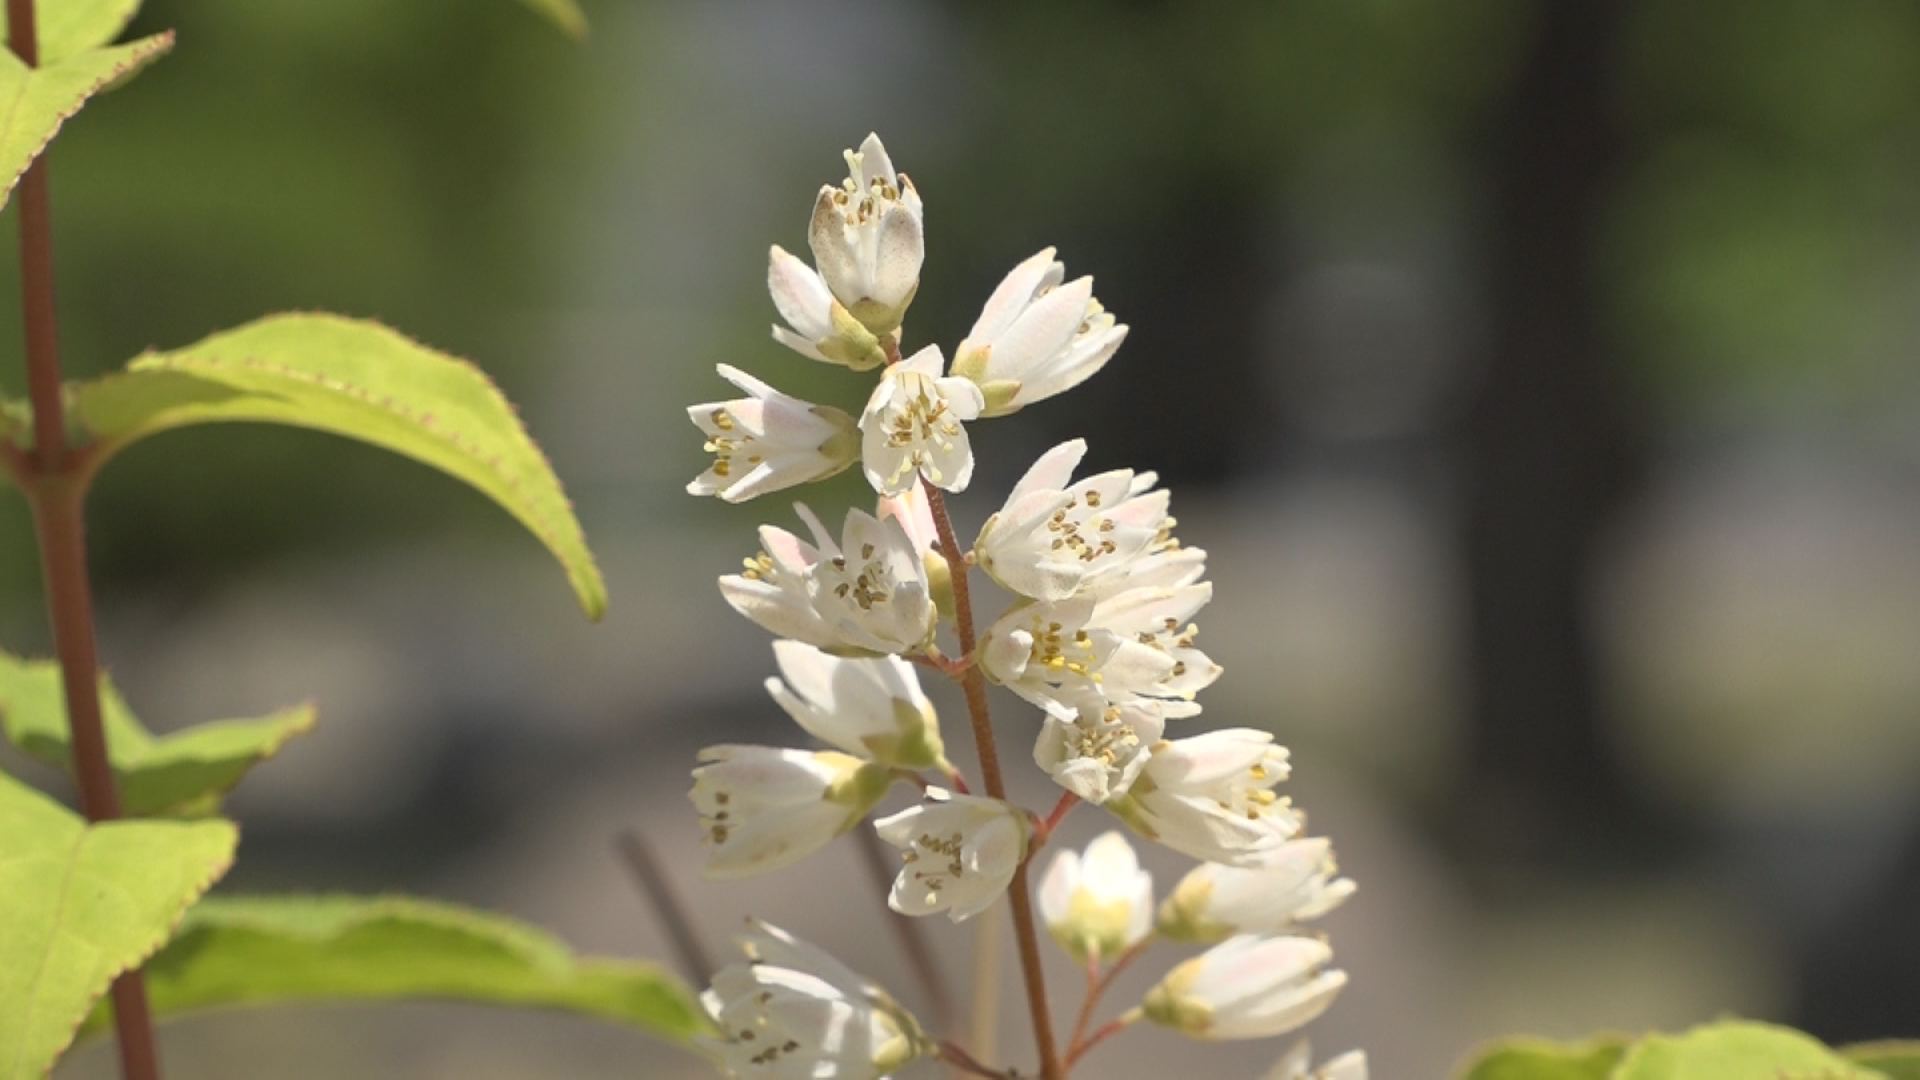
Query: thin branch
(658, 888)
(909, 933)
(1098, 983)
(974, 684)
(1113, 1027)
(953, 1055)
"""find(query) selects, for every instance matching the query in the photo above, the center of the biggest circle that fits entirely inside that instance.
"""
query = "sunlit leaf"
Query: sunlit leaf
(34, 102)
(565, 14)
(181, 774)
(360, 380)
(279, 950)
(1538, 1059)
(1895, 1060)
(1736, 1050)
(79, 904)
(67, 27)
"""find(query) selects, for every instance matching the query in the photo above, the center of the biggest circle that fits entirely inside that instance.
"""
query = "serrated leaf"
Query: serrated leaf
(1896, 1060)
(356, 379)
(79, 904)
(34, 102)
(67, 27)
(279, 950)
(1736, 1050)
(565, 14)
(183, 774)
(1539, 1059)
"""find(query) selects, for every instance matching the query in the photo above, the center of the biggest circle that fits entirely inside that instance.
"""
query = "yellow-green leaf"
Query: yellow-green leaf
(565, 14)
(181, 774)
(1896, 1060)
(67, 27)
(79, 904)
(34, 102)
(277, 950)
(1538, 1059)
(1737, 1050)
(356, 379)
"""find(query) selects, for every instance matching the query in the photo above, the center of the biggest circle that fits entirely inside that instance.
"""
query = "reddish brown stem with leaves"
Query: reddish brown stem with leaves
(55, 486)
(974, 684)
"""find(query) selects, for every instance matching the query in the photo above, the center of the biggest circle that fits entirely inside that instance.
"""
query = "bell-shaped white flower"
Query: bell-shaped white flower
(1297, 1064)
(762, 807)
(1295, 883)
(868, 238)
(769, 440)
(818, 326)
(1037, 337)
(1055, 653)
(958, 853)
(866, 594)
(912, 427)
(1159, 619)
(1053, 534)
(1097, 904)
(872, 708)
(1097, 754)
(1211, 797)
(792, 1012)
(1247, 987)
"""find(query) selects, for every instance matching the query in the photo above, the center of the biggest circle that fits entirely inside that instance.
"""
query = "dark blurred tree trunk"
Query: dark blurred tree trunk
(1551, 451)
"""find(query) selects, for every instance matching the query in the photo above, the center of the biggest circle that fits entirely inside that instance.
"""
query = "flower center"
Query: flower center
(1061, 654)
(1071, 523)
(919, 421)
(942, 856)
(871, 584)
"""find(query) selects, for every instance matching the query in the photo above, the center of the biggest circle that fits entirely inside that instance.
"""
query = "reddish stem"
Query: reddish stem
(1098, 984)
(1059, 813)
(1112, 1028)
(56, 489)
(952, 1054)
(974, 684)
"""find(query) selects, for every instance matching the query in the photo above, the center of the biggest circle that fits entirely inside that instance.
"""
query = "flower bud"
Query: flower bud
(1298, 1065)
(1247, 987)
(1294, 883)
(1100, 903)
(768, 441)
(872, 708)
(763, 807)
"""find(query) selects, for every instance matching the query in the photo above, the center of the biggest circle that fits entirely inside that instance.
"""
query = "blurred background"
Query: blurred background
(1540, 377)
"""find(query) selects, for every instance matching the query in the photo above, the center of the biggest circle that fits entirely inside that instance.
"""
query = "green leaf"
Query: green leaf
(278, 950)
(1896, 1060)
(68, 27)
(1538, 1059)
(34, 102)
(1736, 1050)
(360, 380)
(179, 775)
(79, 904)
(565, 14)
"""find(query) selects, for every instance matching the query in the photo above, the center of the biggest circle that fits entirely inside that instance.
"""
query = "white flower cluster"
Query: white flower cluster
(1100, 637)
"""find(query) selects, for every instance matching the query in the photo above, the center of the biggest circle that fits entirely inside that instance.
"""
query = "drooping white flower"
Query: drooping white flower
(1296, 883)
(912, 427)
(915, 514)
(1036, 337)
(818, 326)
(868, 238)
(1053, 534)
(769, 440)
(1247, 987)
(1055, 653)
(792, 1012)
(868, 593)
(1097, 904)
(764, 807)
(872, 708)
(1097, 754)
(1298, 1065)
(959, 852)
(1211, 797)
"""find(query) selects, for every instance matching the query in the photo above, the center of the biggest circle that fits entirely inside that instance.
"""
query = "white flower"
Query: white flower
(1294, 883)
(1247, 987)
(763, 808)
(1098, 904)
(1298, 1065)
(870, 708)
(1097, 754)
(868, 238)
(1052, 535)
(792, 1012)
(959, 851)
(1211, 797)
(911, 427)
(1036, 337)
(866, 594)
(818, 326)
(1126, 651)
(768, 441)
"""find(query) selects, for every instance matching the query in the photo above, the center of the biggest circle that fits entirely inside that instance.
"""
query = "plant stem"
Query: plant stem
(974, 683)
(658, 889)
(1098, 983)
(57, 493)
(957, 1057)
